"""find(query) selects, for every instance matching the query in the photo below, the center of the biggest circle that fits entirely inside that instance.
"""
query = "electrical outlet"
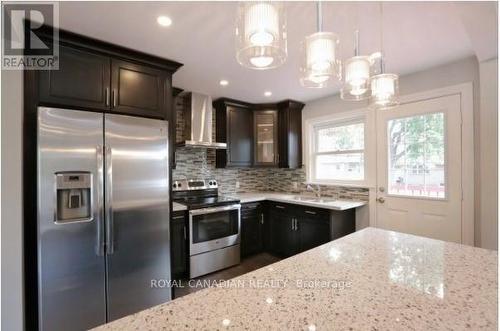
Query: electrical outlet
(237, 184)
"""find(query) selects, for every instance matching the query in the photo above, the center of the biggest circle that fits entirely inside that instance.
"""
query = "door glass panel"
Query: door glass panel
(213, 226)
(266, 127)
(417, 156)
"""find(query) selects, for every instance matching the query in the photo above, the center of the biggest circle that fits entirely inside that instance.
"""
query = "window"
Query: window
(338, 151)
(416, 156)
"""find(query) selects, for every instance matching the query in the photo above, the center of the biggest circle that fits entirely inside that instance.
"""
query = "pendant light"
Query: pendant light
(261, 35)
(384, 86)
(356, 75)
(319, 51)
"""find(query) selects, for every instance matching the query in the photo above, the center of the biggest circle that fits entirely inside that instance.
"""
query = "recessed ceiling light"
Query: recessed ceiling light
(268, 93)
(164, 20)
(223, 82)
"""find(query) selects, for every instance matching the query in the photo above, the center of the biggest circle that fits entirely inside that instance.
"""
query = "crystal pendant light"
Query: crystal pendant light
(384, 86)
(261, 35)
(319, 51)
(356, 75)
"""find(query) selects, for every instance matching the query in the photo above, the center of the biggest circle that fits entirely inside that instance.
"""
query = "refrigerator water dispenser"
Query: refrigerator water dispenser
(73, 197)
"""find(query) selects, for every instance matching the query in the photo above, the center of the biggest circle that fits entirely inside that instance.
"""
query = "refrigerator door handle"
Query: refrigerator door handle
(98, 192)
(109, 204)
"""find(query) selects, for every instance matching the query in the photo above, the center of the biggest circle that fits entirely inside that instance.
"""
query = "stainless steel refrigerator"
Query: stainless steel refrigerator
(103, 217)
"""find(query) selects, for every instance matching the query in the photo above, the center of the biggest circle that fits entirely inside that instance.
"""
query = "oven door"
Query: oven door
(213, 228)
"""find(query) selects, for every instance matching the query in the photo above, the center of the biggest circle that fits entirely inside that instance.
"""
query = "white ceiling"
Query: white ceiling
(417, 35)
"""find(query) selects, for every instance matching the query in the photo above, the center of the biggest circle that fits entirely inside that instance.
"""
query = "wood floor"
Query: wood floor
(248, 264)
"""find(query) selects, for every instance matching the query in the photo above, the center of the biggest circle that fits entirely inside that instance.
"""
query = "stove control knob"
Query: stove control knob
(174, 185)
(179, 185)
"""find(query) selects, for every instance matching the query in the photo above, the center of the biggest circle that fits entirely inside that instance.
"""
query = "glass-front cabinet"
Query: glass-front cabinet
(266, 137)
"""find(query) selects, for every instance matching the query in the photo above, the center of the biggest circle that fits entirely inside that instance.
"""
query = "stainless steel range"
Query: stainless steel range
(214, 225)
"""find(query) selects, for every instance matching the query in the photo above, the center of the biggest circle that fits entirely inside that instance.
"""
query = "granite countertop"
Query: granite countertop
(327, 203)
(371, 279)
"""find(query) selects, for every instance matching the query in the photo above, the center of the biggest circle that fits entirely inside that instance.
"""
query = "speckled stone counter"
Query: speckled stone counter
(369, 280)
(289, 198)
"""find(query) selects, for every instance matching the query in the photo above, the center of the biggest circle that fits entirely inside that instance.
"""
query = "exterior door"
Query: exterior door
(137, 213)
(419, 168)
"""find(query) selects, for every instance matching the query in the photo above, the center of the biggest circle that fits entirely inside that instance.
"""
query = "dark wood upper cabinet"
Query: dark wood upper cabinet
(234, 127)
(259, 134)
(83, 80)
(290, 134)
(137, 89)
(265, 137)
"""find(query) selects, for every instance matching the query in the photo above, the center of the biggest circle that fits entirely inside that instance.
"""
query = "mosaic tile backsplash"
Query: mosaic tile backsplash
(200, 163)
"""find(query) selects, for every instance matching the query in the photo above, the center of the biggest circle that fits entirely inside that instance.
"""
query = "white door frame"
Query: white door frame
(465, 91)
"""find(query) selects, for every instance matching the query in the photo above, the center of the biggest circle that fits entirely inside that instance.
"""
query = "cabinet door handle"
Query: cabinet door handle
(279, 207)
(106, 96)
(293, 224)
(185, 237)
(310, 212)
(114, 98)
(261, 218)
(296, 225)
(178, 217)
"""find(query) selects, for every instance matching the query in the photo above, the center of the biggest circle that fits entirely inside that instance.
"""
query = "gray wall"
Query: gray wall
(488, 155)
(12, 248)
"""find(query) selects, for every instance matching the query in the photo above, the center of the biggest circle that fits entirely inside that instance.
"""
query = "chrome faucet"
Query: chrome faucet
(316, 191)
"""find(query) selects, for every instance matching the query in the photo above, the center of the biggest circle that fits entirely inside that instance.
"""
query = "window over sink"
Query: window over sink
(337, 149)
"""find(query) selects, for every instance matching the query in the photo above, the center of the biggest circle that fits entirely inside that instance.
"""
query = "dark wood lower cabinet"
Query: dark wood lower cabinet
(278, 228)
(178, 245)
(283, 237)
(312, 232)
(295, 229)
(252, 223)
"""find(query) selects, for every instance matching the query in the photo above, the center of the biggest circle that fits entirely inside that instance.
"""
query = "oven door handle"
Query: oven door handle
(212, 210)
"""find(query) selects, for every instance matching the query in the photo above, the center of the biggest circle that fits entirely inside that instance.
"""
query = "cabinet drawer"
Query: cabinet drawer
(278, 207)
(250, 207)
(178, 215)
(313, 213)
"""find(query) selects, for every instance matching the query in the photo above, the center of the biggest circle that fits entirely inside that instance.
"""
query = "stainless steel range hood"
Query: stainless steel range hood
(198, 122)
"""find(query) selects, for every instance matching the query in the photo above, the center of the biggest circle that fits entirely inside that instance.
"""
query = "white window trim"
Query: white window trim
(369, 146)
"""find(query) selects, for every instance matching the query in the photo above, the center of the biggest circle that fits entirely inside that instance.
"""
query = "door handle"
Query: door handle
(185, 237)
(381, 200)
(293, 226)
(110, 247)
(261, 218)
(113, 92)
(106, 96)
(310, 212)
(99, 213)
(296, 224)
(279, 207)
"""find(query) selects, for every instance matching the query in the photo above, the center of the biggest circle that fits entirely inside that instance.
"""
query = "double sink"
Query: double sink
(312, 199)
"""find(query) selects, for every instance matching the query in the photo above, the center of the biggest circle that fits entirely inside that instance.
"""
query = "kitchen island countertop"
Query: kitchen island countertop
(370, 279)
